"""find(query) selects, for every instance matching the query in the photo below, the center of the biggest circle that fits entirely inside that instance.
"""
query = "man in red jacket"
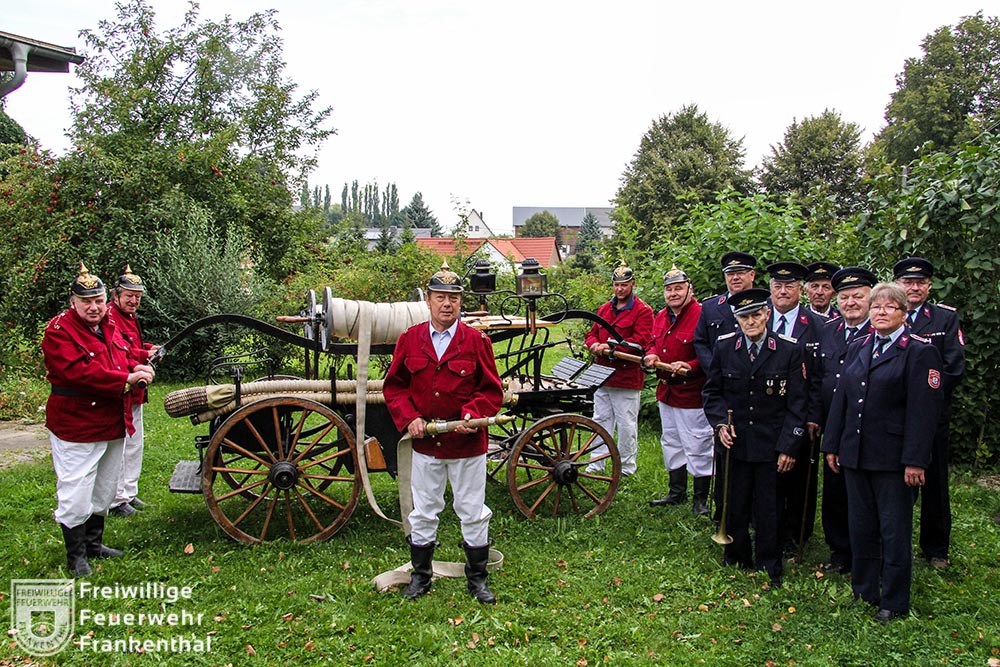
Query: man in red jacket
(445, 369)
(616, 403)
(686, 437)
(88, 414)
(126, 296)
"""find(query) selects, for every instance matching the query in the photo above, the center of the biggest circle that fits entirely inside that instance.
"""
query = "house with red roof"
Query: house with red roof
(499, 252)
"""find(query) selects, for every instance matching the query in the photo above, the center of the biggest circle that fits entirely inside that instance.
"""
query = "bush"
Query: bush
(198, 273)
(948, 211)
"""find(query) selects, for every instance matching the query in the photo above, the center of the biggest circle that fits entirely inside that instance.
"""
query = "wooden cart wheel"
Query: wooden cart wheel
(546, 469)
(282, 467)
(499, 447)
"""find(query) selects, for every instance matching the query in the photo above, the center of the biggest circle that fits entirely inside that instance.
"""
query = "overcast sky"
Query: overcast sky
(532, 102)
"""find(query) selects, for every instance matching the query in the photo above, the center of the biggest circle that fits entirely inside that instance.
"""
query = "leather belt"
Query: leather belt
(66, 391)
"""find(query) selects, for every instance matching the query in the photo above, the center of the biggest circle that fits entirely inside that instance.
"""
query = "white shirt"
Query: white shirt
(442, 339)
(790, 318)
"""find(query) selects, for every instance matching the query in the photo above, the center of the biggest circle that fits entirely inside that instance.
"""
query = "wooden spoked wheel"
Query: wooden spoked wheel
(546, 469)
(282, 467)
(498, 451)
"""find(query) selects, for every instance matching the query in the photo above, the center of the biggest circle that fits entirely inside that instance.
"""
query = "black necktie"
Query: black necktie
(753, 351)
(880, 345)
(851, 333)
(911, 317)
(781, 326)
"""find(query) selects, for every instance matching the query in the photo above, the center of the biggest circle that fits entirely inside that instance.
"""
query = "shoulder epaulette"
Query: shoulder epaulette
(710, 298)
(788, 338)
(728, 335)
(920, 338)
(947, 307)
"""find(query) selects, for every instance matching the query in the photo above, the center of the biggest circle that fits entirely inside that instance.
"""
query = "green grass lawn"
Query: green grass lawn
(635, 586)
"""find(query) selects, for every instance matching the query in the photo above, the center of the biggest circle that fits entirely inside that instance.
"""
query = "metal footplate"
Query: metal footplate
(568, 368)
(595, 375)
(186, 477)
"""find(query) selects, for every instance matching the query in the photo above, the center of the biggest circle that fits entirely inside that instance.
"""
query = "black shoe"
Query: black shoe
(699, 504)
(94, 532)
(422, 558)
(837, 567)
(886, 615)
(124, 510)
(476, 573)
(775, 582)
(76, 550)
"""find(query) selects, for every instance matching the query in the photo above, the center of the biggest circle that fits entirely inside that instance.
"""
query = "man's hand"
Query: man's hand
(833, 461)
(785, 462)
(813, 429)
(727, 435)
(140, 373)
(914, 476)
(416, 428)
(600, 349)
(465, 429)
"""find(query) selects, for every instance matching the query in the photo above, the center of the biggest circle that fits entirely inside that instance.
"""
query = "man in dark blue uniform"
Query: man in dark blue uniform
(716, 314)
(939, 324)
(716, 320)
(819, 289)
(853, 286)
(880, 431)
(797, 490)
(760, 378)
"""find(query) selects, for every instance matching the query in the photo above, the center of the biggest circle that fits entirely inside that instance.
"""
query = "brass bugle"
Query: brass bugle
(721, 536)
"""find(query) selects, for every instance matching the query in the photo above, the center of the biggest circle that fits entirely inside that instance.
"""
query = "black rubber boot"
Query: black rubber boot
(700, 503)
(95, 535)
(678, 489)
(76, 550)
(422, 557)
(475, 573)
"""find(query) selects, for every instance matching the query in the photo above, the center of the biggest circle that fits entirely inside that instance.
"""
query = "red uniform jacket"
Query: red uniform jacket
(675, 342)
(128, 327)
(88, 375)
(634, 324)
(463, 382)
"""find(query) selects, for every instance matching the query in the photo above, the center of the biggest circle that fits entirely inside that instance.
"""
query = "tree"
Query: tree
(542, 225)
(820, 156)
(949, 95)
(10, 131)
(198, 113)
(590, 235)
(758, 224)
(683, 153)
(421, 217)
(949, 211)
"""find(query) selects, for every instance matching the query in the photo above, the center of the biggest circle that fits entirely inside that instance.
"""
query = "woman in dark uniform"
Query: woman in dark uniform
(879, 434)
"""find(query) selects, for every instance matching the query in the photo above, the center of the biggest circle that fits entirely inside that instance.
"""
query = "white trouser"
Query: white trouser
(128, 484)
(86, 478)
(429, 477)
(686, 439)
(616, 407)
